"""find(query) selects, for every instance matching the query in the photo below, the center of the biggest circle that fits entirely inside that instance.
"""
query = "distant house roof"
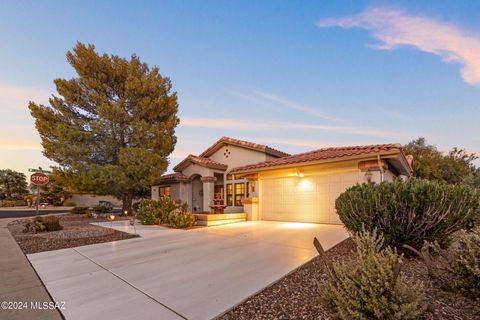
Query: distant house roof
(209, 163)
(338, 153)
(241, 143)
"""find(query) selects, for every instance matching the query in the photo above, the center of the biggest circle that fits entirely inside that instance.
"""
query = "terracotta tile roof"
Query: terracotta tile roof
(173, 177)
(201, 161)
(255, 146)
(321, 154)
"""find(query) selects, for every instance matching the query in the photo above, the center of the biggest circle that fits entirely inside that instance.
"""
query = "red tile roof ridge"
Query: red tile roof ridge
(304, 157)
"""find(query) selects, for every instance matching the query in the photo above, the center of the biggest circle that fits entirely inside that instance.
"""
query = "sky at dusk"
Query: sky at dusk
(296, 75)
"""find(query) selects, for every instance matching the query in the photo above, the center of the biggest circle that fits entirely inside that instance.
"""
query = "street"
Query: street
(28, 212)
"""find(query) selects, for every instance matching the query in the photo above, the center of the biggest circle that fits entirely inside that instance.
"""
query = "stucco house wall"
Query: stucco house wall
(237, 156)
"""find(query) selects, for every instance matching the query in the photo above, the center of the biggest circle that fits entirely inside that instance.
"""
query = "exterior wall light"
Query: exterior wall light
(125, 212)
(300, 174)
(112, 217)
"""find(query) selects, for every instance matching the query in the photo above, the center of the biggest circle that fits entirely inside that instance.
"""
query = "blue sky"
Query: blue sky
(293, 75)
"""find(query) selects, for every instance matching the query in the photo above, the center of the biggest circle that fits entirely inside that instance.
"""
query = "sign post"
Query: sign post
(39, 178)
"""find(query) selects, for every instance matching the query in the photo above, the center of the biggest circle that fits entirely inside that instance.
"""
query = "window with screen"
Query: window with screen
(229, 194)
(239, 193)
(165, 192)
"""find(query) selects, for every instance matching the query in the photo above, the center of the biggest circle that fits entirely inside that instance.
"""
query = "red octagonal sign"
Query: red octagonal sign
(39, 179)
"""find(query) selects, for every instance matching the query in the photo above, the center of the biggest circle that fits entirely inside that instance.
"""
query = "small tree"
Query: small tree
(455, 167)
(13, 184)
(54, 192)
(111, 128)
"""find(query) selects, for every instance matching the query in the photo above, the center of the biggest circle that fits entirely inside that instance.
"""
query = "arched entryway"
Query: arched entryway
(197, 193)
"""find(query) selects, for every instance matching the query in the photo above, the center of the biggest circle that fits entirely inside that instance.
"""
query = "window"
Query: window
(165, 192)
(229, 194)
(239, 193)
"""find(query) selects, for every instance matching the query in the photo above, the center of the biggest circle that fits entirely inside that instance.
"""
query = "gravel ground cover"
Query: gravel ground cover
(77, 231)
(296, 295)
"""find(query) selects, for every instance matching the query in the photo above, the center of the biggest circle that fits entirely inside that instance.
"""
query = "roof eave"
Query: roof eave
(369, 156)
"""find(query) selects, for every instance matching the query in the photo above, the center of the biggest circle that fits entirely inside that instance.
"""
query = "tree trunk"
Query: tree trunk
(127, 199)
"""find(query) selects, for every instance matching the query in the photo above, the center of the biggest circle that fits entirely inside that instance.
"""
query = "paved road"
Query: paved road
(19, 213)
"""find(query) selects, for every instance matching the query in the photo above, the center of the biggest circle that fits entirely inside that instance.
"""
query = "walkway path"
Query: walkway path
(19, 282)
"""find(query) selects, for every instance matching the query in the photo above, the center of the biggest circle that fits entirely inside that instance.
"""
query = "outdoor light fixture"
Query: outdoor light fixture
(300, 174)
(125, 212)
(112, 217)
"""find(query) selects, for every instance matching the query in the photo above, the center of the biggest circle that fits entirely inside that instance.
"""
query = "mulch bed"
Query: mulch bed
(77, 231)
(296, 297)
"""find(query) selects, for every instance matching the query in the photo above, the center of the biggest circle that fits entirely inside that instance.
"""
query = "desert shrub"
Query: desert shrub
(52, 223)
(464, 256)
(100, 208)
(166, 206)
(370, 286)
(409, 212)
(149, 212)
(88, 215)
(7, 203)
(79, 210)
(35, 225)
(70, 204)
(155, 211)
(181, 218)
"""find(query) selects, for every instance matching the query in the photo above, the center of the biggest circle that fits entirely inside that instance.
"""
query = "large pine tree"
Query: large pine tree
(112, 128)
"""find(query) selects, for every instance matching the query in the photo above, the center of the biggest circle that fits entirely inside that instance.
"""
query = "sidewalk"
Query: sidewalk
(19, 282)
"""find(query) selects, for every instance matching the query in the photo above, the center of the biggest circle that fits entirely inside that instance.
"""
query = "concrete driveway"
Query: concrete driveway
(177, 274)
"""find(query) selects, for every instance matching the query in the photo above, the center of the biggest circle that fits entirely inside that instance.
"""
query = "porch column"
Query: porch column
(208, 191)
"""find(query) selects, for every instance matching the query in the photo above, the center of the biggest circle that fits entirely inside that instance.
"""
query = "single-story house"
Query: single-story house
(269, 184)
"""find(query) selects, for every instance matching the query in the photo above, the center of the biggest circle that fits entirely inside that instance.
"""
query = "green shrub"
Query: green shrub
(149, 212)
(370, 287)
(52, 223)
(79, 210)
(155, 211)
(167, 206)
(35, 225)
(465, 256)
(409, 212)
(100, 208)
(7, 203)
(181, 219)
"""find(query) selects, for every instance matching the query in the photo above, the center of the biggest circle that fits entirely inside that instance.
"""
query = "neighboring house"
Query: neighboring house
(272, 185)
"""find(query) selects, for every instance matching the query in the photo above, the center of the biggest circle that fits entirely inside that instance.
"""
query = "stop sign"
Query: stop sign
(39, 179)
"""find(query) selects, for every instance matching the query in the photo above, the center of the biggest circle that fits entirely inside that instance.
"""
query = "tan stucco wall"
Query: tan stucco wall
(91, 200)
(238, 156)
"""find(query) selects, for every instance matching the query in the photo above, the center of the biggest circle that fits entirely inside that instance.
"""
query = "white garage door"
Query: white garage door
(307, 199)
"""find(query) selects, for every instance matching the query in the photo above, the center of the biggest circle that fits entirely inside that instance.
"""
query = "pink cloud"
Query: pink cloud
(252, 125)
(394, 28)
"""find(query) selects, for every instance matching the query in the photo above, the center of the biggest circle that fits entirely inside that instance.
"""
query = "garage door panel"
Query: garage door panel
(309, 199)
